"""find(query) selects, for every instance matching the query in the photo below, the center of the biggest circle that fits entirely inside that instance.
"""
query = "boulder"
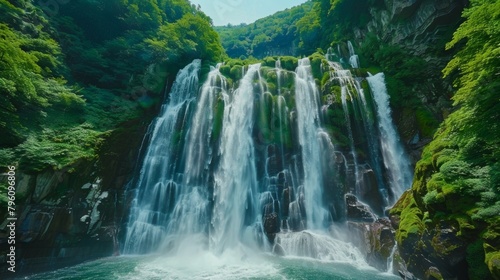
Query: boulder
(376, 241)
(271, 225)
(357, 211)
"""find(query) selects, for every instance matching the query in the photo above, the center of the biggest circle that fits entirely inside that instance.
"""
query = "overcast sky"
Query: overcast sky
(235, 12)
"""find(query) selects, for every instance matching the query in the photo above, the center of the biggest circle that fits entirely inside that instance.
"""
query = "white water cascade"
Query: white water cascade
(236, 178)
(395, 159)
(247, 163)
(150, 211)
(307, 100)
(353, 57)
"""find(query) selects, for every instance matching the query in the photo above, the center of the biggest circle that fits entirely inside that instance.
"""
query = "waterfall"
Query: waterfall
(235, 165)
(347, 84)
(395, 159)
(307, 102)
(191, 211)
(156, 191)
(198, 149)
(353, 57)
(235, 179)
(373, 143)
(279, 72)
(390, 259)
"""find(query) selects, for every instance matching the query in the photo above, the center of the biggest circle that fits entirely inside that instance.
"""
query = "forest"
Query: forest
(79, 89)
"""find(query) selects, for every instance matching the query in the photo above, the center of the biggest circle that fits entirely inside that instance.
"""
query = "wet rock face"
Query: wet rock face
(436, 253)
(375, 240)
(416, 24)
(357, 211)
(271, 225)
(72, 215)
(405, 8)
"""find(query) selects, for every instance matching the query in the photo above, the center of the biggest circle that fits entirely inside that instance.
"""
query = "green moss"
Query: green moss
(410, 218)
(225, 70)
(218, 118)
(433, 274)
(59, 148)
(289, 63)
(269, 61)
(493, 262)
(236, 72)
(478, 270)
(316, 60)
(467, 228)
(426, 122)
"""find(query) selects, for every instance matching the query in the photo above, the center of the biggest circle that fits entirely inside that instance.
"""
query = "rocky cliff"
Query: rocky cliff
(71, 215)
(421, 28)
(445, 227)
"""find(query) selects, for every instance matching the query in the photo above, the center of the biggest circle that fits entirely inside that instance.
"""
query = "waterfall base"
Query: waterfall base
(205, 265)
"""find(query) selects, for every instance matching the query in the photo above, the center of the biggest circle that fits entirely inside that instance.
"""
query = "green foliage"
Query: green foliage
(332, 21)
(411, 218)
(272, 35)
(458, 175)
(475, 258)
(59, 148)
(190, 37)
(402, 69)
(66, 79)
(427, 123)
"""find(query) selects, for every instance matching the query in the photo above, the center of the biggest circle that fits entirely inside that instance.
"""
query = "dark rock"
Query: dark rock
(399, 267)
(357, 211)
(436, 250)
(271, 225)
(395, 219)
(375, 240)
(285, 202)
(296, 221)
(69, 217)
(433, 273)
(370, 193)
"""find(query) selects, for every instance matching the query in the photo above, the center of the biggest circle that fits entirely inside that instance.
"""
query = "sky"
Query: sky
(235, 12)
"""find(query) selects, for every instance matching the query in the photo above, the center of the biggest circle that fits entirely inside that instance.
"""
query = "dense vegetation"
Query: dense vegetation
(69, 78)
(273, 35)
(332, 21)
(458, 179)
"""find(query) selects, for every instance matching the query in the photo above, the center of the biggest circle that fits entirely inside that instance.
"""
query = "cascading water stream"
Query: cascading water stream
(396, 161)
(198, 149)
(156, 191)
(373, 143)
(191, 212)
(346, 82)
(353, 57)
(246, 168)
(235, 193)
(307, 100)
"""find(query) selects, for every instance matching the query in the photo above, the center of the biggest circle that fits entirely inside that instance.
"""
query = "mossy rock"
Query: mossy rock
(289, 63)
(236, 72)
(269, 61)
(476, 261)
(316, 60)
(410, 222)
(225, 70)
(433, 273)
(218, 118)
(493, 263)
